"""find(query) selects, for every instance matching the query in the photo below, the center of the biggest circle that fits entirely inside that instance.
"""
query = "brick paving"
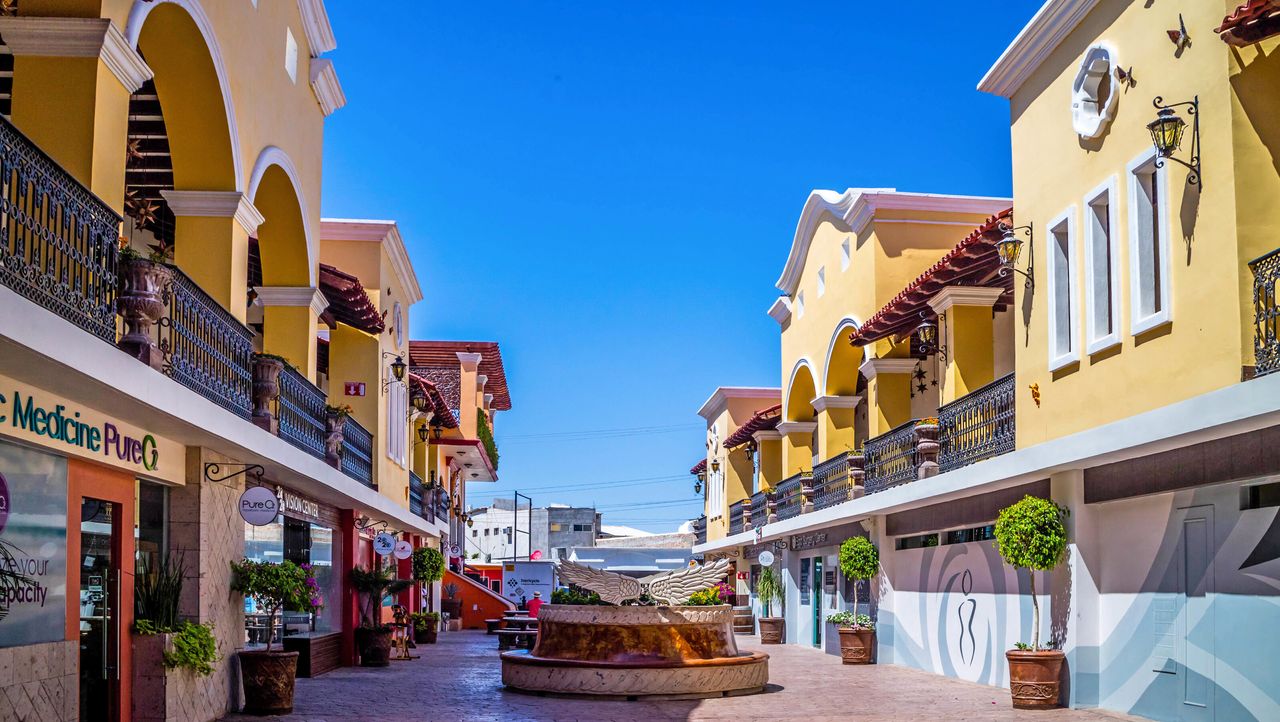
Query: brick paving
(459, 680)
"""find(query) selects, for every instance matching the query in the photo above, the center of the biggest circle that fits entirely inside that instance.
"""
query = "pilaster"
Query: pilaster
(966, 330)
(888, 393)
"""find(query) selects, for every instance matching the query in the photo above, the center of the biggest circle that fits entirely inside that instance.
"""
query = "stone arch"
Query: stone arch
(801, 390)
(840, 370)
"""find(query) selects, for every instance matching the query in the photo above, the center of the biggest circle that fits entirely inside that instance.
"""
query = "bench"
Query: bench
(511, 638)
(492, 625)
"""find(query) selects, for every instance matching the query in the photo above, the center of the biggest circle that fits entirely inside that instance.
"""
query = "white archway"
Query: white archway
(274, 155)
(846, 325)
(803, 364)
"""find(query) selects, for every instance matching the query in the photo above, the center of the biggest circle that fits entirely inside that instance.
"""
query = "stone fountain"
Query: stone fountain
(633, 651)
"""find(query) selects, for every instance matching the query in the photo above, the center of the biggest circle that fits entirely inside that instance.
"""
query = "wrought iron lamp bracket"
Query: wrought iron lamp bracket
(386, 382)
(1029, 274)
(1193, 110)
(213, 471)
(937, 346)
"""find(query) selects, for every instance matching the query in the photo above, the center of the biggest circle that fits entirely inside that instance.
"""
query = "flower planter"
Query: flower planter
(266, 388)
(1034, 678)
(334, 425)
(425, 636)
(772, 630)
(857, 645)
(374, 646)
(268, 681)
(141, 303)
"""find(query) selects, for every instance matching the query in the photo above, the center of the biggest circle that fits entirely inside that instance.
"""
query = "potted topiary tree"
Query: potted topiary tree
(1031, 535)
(769, 589)
(428, 568)
(859, 559)
(373, 638)
(426, 625)
(268, 675)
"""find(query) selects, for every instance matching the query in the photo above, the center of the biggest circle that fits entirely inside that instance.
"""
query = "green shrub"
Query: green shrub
(374, 584)
(428, 565)
(423, 621)
(1030, 534)
(156, 592)
(194, 647)
(573, 595)
(859, 559)
(849, 620)
(276, 586)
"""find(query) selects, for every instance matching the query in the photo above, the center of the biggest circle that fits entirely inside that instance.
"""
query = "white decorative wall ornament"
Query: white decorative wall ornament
(1093, 94)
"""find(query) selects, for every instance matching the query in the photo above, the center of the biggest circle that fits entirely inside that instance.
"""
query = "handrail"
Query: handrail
(1266, 313)
(833, 480)
(300, 410)
(357, 452)
(891, 458)
(789, 496)
(206, 349)
(978, 425)
(737, 516)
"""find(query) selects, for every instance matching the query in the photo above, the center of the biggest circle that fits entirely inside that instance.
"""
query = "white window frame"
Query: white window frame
(1139, 324)
(845, 255)
(397, 420)
(822, 282)
(1095, 341)
(1057, 359)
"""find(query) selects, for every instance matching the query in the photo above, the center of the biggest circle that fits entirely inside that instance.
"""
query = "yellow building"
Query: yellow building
(729, 479)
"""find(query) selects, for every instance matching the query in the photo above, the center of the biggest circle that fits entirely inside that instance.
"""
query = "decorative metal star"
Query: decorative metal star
(921, 387)
(919, 374)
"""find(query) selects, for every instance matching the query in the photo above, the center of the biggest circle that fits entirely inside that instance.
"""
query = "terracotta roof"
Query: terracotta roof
(349, 303)
(699, 467)
(762, 420)
(442, 410)
(444, 355)
(445, 380)
(1250, 22)
(973, 262)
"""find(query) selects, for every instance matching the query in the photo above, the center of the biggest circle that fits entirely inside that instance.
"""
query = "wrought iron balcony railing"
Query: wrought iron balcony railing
(791, 495)
(57, 240)
(833, 481)
(737, 516)
(700, 530)
(442, 504)
(300, 411)
(891, 458)
(1266, 313)
(416, 491)
(205, 348)
(357, 452)
(977, 426)
(760, 503)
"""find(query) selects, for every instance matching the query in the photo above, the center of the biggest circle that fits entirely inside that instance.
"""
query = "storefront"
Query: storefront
(308, 532)
(814, 587)
(79, 493)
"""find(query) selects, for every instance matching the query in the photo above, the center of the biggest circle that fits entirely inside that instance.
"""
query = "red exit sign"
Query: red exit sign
(353, 388)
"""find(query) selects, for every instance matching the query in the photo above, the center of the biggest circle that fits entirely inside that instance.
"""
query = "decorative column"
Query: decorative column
(967, 334)
(213, 230)
(835, 424)
(769, 443)
(888, 393)
(469, 382)
(797, 446)
(290, 315)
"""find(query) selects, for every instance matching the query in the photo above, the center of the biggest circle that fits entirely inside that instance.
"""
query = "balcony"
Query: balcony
(205, 348)
(357, 453)
(836, 480)
(700, 530)
(300, 410)
(416, 492)
(442, 504)
(793, 496)
(977, 426)
(1266, 313)
(761, 508)
(738, 513)
(890, 458)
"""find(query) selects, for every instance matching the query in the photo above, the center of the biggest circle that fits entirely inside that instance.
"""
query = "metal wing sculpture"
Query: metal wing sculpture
(676, 587)
(612, 588)
(670, 587)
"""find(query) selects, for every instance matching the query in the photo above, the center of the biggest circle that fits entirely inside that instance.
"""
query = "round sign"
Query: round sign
(384, 543)
(403, 549)
(259, 506)
(766, 558)
(455, 550)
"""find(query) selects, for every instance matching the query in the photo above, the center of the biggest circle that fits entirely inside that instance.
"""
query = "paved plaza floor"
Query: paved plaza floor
(459, 679)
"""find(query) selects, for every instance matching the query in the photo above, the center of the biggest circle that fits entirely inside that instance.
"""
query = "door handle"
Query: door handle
(118, 636)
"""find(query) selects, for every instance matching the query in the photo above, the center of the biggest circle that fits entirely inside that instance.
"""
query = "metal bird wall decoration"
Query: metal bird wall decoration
(671, 588)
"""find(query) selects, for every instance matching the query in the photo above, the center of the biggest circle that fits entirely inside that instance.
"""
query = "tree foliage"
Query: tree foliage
(1030, 534)
(859, 558)
(428, 565)
(274, 587)
(769, 589)
(374, 584)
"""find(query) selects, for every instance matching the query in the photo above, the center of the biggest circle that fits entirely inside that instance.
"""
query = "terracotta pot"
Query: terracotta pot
(142, 285)
(857, 645)
(425, 636)
(374, 647)
(268, 681)
(1034, 678)
(772, 630)
(334, 424)
(266, 387)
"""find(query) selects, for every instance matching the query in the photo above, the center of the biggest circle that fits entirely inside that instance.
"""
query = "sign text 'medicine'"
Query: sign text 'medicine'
(66, 426)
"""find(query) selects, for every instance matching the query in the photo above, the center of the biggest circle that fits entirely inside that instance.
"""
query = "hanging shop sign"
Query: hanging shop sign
(384, 544)
(259, 506)
(403, 550)
(33, 532)
(297, 505)
(71, 429)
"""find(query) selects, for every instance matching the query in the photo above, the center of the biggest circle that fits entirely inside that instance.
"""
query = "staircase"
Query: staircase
(744, 622)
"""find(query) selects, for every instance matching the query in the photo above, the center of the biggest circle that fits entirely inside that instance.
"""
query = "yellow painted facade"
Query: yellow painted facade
(731, 473)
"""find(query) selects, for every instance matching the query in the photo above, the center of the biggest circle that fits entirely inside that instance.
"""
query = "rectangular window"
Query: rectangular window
(1260, 496)
(1148, 245)
(555, 526)
(582, 527)
(1101, 269)
(1062, 291)
(916, 542)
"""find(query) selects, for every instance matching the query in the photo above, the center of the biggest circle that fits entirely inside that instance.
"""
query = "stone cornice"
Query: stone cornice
(1042, 35)
(293, 296)
(315, 25)
(469, 361)
(796, 427)
(325, 85)
(215, 204)
(873, 367)
(766, 435)
(780, 311)
(964, 296)
(822, 403)
(77, 38)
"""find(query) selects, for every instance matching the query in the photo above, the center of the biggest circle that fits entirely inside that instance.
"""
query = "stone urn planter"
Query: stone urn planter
(266, 388)
(772, 630)
(374, 646)
(857, 645)
(142, 285)
(1034, 677)
(268, 681)
(927, 448)
(334, 423)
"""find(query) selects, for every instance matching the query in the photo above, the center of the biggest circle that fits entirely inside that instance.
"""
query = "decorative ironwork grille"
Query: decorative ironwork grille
(58, 241)
(357, 452)
(977, 426)
(891, 458)
(442, 504)
(206, 349)
(1266, 313)
(415, 494)
(760, 508)
(300, 411)
(789, 495)
(832, 483)
(736, 517)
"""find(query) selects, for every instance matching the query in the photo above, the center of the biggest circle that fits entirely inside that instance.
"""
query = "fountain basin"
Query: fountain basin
(636, 651)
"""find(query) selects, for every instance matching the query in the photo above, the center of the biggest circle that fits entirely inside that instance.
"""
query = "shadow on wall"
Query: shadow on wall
(1255, 88)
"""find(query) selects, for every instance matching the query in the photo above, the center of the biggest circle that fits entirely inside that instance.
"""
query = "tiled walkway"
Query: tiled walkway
(458, 679)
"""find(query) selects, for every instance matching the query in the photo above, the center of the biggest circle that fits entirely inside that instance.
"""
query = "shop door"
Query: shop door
(1195, 617)
(100, 598)
(817, 602)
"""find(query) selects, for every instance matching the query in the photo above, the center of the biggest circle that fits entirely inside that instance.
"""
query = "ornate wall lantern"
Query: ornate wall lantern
(1009, 248)
(419, 401)
(927, 334)
(1167, 131)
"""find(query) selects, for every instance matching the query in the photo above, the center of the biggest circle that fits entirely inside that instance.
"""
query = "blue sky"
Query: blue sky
(610, 190)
